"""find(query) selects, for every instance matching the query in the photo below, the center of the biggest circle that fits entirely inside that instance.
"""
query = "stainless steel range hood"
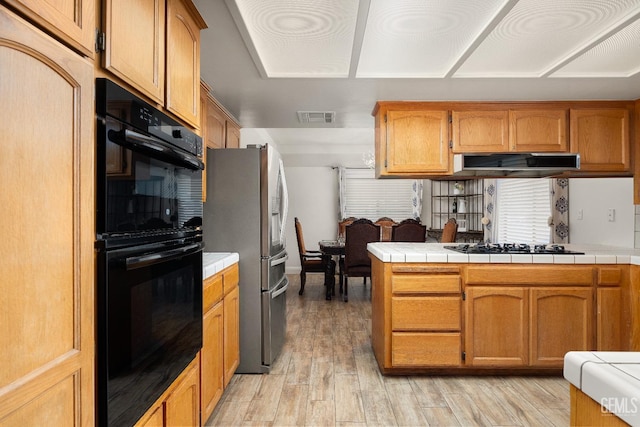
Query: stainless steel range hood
(523, 165)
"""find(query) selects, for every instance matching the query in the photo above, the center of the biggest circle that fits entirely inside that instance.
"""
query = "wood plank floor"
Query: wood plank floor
(327, 375)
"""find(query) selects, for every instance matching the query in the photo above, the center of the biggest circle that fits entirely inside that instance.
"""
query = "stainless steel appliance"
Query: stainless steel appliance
(149, 261)
(512, 248)
(245, 212)
(522, 165)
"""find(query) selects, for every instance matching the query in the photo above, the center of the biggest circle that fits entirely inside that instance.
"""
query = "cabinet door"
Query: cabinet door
(231, 333)
(135, 44)
(183, 63)
(417, 142)
(609, 319)
(480, 131)
(153, 418)
(212, 361)
(47, 174)
(538, 130)
(561, 321)
(183, 404)
(215, 126)
(601, 136)
(232, 135)
(496, 326)
(71, 21)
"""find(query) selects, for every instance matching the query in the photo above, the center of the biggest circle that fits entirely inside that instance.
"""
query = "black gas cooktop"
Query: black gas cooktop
(511, 248)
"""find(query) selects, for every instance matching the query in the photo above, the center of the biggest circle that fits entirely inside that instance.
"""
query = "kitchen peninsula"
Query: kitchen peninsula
(435, 310)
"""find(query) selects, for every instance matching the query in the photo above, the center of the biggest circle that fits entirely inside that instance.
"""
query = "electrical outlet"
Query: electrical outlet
(580, 213)
(612, 214)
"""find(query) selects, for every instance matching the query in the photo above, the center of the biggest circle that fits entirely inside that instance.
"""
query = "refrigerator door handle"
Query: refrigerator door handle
(281, 290)
(285, 196)
(279, 261)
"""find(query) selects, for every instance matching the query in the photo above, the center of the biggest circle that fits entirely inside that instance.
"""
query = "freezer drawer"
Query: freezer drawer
(274, 320)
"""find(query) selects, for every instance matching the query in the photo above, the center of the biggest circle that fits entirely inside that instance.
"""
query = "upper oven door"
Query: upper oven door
(144, 183)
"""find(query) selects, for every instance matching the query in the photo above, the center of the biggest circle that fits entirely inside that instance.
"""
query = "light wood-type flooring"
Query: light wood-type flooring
(327, 375)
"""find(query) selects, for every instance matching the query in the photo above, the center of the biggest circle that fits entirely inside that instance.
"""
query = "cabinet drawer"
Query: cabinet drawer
(211, 291)
(427, 283)
(556, 275)
(231, 278)
(609, 276)
(425, 313)
(425, 349)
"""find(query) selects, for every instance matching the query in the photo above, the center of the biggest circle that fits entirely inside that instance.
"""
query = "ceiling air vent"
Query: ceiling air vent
(316, 116)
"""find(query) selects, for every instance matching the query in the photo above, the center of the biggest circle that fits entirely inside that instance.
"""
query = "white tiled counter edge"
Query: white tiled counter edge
(436, 253)
(610, 378)
(214, 262)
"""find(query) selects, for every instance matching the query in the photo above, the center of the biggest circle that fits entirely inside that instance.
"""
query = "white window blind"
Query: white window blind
(363, 196)
(523, 209)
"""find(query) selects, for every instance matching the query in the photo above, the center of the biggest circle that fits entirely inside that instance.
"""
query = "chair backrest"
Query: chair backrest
(449, 231)
(342, 225)
(386, 224)
(300, 237)
(357, 235)
(409, 230)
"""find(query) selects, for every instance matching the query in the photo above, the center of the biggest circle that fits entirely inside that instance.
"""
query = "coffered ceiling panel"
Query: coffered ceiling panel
(537, 36)
(301, 38)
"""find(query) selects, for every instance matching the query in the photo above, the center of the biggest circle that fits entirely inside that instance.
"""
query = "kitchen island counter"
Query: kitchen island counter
(435, 310)
(436, 253)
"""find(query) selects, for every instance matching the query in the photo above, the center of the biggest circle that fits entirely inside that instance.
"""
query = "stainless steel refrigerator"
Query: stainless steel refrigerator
(245, 212)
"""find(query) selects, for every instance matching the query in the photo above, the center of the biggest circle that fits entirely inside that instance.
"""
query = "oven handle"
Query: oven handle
(156, 258)
(156, 146)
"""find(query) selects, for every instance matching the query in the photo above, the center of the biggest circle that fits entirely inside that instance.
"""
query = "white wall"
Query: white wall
(313, 199)
(594, 196)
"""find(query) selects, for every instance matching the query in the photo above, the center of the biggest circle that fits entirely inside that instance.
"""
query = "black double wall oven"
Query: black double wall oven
(149, 253)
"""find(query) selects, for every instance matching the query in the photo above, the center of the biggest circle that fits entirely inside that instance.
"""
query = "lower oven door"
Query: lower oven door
(274, 321)
(149, 325)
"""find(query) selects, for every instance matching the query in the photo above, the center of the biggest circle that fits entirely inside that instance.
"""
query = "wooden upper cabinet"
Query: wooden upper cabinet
(216, 124)
(412, 142)
(232, 135)
(73, 22)
(135, 44)
(480, 131)
(499, 131)
(538, 130)
(183, 60)
(601, 136)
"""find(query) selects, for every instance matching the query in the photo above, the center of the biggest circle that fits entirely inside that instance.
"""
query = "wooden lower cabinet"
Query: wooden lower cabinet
(487, 317)
(180, 404)
(220, 354)
(560, 320)
(47, 327)
(496, 332)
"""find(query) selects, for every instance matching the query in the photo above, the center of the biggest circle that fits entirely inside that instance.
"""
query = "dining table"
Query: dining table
(329, 249)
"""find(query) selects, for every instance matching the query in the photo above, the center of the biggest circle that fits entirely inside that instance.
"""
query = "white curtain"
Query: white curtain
(559, 223)
(416, 200)
(490, 201)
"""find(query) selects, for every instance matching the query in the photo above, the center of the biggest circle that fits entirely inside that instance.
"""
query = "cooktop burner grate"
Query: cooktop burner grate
(512, 248)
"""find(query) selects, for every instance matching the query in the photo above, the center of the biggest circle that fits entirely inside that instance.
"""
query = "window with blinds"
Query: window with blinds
(363, 196)
(523, 209)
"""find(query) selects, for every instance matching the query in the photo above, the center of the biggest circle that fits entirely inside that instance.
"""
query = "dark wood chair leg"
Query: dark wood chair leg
(345, 295)
(303, 280)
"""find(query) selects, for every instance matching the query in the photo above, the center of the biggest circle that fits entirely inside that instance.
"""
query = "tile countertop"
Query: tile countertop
(610, 378)
(214, 262)
(435, 252)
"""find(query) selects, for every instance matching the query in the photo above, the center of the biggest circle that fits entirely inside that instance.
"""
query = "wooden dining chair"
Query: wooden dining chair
(356, 257)
(409, 230)
(385, 224)
(449, 231)
(342, 225)
(310, 261)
